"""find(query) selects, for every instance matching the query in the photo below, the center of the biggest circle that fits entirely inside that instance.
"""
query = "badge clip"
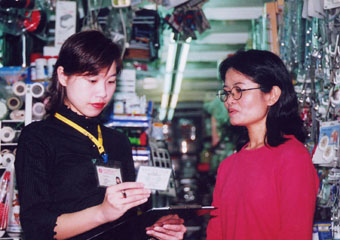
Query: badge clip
(105, 157)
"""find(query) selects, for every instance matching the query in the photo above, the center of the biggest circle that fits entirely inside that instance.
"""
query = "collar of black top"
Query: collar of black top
(79, 119)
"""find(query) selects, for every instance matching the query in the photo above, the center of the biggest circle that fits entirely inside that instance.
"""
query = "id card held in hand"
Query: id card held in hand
(154, 178)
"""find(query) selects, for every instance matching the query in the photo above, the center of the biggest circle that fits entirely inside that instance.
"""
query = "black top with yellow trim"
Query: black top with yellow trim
(55, 172)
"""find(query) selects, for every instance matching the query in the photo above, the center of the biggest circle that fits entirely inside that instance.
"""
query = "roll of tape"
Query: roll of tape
(7, 134)
(7, 159)
(3, 110)
(38, 110)
(14, 103)
(19, 88)
(37, 90)
(5, 151)
(18, 115)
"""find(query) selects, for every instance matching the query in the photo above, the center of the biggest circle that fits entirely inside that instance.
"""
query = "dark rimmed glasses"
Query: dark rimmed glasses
(235, 92)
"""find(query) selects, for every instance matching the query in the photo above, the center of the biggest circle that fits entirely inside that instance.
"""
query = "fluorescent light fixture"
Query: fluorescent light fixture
(169, 68)
(179, 77)
(162, 113)
(184, 55)
(165, 99)
(164, 106)
(171, 113)
(180, 70)
(167, 82)
(174, 99)
(170, 61)
(178, 83)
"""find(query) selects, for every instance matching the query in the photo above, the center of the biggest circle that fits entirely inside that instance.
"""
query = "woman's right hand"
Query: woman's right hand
(121, 197)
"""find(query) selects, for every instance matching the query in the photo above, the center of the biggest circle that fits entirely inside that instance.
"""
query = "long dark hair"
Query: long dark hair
(267, 69)
(84, 53)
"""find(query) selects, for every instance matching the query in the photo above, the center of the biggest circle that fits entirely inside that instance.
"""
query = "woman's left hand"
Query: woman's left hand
(169, 227)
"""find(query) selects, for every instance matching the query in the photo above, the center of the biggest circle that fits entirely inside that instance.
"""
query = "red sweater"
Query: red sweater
(265, 194)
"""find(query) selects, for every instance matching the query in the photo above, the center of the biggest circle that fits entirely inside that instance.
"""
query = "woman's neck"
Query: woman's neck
(70, 106)
(256, 135)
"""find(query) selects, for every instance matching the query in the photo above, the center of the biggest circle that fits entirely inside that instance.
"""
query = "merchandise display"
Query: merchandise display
(17, 109)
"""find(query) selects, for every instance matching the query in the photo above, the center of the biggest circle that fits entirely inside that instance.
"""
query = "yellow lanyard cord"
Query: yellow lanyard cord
(98, 142)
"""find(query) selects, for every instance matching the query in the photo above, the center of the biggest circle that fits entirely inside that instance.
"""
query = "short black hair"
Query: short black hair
(83, 53)
(267, 69)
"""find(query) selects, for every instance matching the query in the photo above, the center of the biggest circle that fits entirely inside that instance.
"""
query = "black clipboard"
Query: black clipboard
(186, 212)
(137, 224)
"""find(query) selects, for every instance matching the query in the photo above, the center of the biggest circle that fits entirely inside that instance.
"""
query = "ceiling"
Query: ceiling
(230, 22)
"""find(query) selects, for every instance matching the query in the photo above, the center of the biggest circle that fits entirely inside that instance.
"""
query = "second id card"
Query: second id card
(154, 178)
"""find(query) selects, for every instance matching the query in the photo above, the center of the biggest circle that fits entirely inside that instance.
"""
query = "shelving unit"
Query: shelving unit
(161, 158)
(127, 123)
(129, 120)
(10, 147)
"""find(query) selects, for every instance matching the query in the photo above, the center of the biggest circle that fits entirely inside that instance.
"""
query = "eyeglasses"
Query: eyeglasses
(235, 92)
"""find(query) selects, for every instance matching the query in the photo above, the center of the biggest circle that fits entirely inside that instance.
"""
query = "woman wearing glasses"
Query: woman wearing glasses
(267, 189)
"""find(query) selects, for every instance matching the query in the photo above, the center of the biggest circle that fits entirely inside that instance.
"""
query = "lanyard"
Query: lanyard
(98, 142)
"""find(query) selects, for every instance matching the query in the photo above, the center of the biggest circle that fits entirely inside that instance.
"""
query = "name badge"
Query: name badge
(108, 175)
